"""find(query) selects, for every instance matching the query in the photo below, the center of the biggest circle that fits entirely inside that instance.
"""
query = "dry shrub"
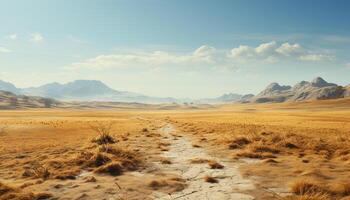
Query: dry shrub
(210, 179)
(239, 142)
(109, 160)
(309, 189)
(92, 159)
(261, 148)
(67, 174)
(168, 184)
(315, 196)
(307, 186)
(215, 165)
(113, 168)
(104, 133)
(37, 170)
(165, 161)
(128, 159)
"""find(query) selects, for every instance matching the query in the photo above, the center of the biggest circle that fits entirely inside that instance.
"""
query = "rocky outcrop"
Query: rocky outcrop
(304, 90)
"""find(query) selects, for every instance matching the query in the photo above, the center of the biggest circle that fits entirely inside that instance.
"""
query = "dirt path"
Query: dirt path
(231, 185)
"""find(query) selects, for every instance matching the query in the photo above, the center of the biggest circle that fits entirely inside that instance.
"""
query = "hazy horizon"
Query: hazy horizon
(192, 49)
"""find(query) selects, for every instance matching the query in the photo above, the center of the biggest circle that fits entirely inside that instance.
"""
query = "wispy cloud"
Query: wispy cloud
(4, 50)
(12, 36)
(204, 55)
(36, 37)
(272, 52)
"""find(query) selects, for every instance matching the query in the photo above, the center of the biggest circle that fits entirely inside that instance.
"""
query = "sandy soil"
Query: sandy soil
(231, 185)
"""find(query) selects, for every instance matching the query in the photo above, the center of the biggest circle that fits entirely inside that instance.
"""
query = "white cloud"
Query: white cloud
(36, 37)
(12, 36)
(204, 55)
(4, 50)
(315, 57)
(289, 49)
(243, 52)
(266, 48)
(271, 52)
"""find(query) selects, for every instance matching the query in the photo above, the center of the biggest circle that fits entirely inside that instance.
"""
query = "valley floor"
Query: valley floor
(266, 151)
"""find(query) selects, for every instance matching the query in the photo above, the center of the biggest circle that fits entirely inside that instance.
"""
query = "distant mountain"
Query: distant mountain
(86, 90)
(71, 90)
(304, 90)
(5, 86)
(227, 98)
(94, 90)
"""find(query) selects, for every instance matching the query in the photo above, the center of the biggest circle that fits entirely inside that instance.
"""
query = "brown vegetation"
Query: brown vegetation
(210, 179)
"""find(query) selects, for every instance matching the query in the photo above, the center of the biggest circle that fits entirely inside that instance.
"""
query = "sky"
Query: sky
(178, 48)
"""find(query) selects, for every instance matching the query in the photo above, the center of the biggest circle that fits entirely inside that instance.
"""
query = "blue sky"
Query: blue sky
(182, 48)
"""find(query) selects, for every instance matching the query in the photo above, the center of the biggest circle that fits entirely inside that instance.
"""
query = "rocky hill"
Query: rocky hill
(317, 89)
(9, 100)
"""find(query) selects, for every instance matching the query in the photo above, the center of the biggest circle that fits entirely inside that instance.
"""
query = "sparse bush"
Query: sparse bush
(37, 171)
(210, 179)
(113, 168)
(104, 133)
(307, 186)
(215, 165)
(168, 184)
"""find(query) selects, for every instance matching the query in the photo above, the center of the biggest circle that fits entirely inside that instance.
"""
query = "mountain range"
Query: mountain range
(84, 90)
(94, 90)
(317, 89)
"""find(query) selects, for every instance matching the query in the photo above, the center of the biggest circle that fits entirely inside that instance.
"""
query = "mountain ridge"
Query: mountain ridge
(95, 90)
(317, 89)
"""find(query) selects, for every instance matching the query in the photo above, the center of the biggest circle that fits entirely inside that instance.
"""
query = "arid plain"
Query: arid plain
(240, 151)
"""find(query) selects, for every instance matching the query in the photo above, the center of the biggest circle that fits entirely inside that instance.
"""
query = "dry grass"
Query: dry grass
(11, 193)
(306, 140)
(309, 140)
(43, 148)
(170, 185)
(104, 133)
(308, 186)
(311, 189)
(215, 165)
(210, 179)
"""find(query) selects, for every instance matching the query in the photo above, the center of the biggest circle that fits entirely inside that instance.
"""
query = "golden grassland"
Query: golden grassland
(304, 147)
